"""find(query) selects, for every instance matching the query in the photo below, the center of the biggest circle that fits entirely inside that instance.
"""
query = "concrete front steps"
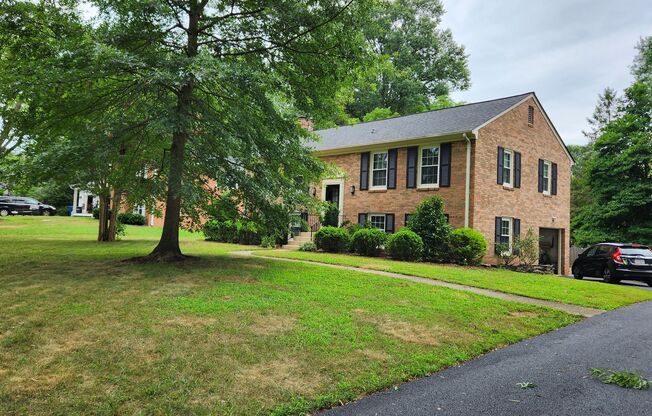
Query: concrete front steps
(298, 241)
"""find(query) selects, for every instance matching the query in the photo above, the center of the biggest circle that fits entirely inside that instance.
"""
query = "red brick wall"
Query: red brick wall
(401, 200)
(533, 208)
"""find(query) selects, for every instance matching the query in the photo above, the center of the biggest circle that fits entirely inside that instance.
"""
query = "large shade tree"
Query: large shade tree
(220, 82)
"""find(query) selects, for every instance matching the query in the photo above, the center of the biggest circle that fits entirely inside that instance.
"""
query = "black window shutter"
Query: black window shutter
(391, 168)
(517, 169)
(445, 150)
(407, 218)
(389, 223)
(540, 175)
(499, 221)
(499, 171)
(516, 225)
(362, 218)
(364, 171)
(553, 187)
(411, 174)
(516, 232)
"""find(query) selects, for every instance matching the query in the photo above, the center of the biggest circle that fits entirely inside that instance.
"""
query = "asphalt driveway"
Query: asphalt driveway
(633, 283)
(558, 363)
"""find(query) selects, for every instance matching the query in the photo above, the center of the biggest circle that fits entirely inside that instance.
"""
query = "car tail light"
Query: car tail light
(616, 255)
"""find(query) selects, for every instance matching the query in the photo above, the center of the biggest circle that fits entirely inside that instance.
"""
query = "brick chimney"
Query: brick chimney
(306, 123)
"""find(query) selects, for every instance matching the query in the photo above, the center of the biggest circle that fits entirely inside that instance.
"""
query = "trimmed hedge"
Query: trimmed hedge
(63, 212)
(268, 241)
(405, 245)
(236, 232)
(332, 239)
(308, 246)
(131, 218)
(368, 241)
(467, 246)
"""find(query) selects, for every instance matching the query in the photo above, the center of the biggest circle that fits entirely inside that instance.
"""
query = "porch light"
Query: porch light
(352, 189)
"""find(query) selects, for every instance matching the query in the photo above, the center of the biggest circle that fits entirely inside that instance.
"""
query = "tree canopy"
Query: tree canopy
(416, 64)
(618, 169)
(212, 88)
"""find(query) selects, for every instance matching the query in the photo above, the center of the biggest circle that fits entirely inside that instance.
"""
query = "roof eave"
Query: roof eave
(393, 143)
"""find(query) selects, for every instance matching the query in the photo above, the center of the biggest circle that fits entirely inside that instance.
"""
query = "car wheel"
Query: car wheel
(577, 273)
(649, 282)
(46, 213)
(608, 276)
(4, 212)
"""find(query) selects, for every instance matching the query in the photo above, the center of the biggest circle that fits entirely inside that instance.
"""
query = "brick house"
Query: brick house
(500, 166)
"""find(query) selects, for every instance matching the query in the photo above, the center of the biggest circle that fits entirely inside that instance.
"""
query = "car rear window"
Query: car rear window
(630, 251)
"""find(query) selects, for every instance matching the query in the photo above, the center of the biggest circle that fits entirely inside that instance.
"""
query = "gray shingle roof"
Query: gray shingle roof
(458, 119)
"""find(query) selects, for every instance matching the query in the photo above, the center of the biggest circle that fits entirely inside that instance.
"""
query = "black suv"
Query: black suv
(615, 261)
(21, 205)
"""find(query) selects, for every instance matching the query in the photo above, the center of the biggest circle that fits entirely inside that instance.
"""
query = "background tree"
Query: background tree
(418, 61)
(416, 65)
(619, 169)
(606, 110)
(642, 66)
(85, 128)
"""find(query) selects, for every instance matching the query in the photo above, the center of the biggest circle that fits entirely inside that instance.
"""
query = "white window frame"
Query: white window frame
(510, 231)
(371, 170)
(370, 222)
(138, 208)
(510, 183)
(420, 166)
(547, 181)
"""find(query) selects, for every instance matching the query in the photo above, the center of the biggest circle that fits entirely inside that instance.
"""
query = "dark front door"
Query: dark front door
(333, 194)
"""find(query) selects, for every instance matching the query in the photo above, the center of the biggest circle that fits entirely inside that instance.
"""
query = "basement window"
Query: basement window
(377, 221)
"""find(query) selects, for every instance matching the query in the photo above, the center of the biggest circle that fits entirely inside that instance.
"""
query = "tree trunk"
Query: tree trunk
(113, 218)
(168, 248)
(103, 232)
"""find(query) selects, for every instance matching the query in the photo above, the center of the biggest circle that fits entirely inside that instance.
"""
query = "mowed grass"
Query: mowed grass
(571, 291)
(82, 332)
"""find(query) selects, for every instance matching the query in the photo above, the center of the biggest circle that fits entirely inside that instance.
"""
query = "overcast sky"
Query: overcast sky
(566, 51)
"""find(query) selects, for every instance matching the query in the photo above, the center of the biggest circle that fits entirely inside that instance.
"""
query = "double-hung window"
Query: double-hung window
(379, 170)
(377, 221)
(508, 171)
(429, 167)
(506, 231)
(546, 176)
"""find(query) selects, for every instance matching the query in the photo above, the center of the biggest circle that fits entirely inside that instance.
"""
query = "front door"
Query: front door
(333, 194)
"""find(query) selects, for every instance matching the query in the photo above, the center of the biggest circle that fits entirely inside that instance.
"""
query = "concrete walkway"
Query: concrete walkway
(572, 309)
(557, 362)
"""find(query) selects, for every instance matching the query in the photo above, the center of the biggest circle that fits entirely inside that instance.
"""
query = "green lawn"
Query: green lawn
(576, 292)
(82, 332)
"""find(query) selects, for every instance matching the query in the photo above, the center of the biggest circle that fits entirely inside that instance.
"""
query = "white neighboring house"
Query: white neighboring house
(83, 203)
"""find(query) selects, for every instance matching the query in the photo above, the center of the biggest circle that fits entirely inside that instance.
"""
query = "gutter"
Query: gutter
(467, 189)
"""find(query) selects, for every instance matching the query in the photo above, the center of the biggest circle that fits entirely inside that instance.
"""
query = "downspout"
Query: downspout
(467, 190)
